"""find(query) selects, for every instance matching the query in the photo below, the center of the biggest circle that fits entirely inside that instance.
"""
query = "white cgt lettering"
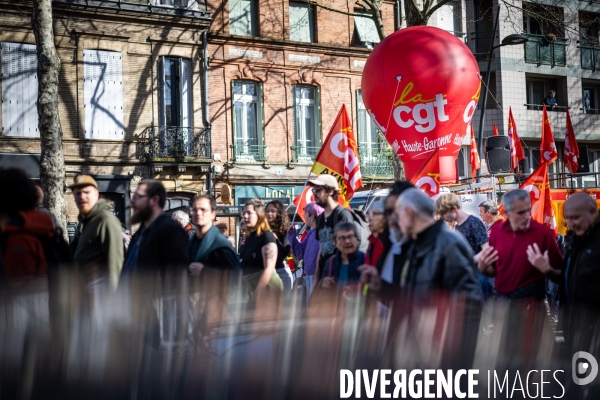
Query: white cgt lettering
(425, 115)
(350, 158)
(469, 111)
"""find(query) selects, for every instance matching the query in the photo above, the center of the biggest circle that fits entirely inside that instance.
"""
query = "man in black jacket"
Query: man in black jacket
(209, 247)
(159, 243)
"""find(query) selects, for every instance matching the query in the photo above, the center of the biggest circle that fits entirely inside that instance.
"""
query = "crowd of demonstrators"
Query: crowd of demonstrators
(447, 206)
(159, 244)
(183, 219)
(308, 249)
(515, 247)
(488, 211)
(279, 222)
(209, 247)
(259, 254)
(97, 245)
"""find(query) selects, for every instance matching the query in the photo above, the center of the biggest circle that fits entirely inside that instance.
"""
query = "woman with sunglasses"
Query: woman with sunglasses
(259, 254)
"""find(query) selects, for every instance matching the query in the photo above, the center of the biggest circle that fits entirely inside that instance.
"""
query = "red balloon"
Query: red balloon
(421, 85)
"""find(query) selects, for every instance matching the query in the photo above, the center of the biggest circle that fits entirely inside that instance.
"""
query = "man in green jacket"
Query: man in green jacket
(98, 244)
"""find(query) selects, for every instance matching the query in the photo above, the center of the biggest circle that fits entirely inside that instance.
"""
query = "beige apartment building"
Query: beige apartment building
(130, 95)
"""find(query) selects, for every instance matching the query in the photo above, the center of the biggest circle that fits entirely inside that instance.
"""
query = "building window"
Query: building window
(538, 88)
(247, 121)
(448, 18)
(174, 85)
(365, 30)
(242, 17)
(368, 134)
(302, 22)
(103, 95)
(589, 39)
(464, 162)
(590, 98)
(19, 90)
(547, 43)
(307, 122)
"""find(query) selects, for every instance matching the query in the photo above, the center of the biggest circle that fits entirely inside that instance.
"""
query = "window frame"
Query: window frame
(162, 94)
(312, 20)
(299, 154)
(248, 154)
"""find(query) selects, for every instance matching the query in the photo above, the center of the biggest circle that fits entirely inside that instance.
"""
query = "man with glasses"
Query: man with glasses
(326, 191)
(209, 247)
(160, 243)
(506, 257)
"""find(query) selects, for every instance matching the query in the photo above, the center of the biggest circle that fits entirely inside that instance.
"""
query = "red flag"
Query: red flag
(538, 186)
(571, 150)
(475, 161)
(339, 156)
(428, 177)
(302, 200)
(548, 151)
(496, 130)
(516, 149)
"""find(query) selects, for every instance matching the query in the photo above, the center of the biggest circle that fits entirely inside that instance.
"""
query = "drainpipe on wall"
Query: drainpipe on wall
(206, 120)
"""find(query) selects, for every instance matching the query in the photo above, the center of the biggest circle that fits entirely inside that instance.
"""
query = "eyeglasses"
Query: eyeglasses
(375, 213)
(317, 189)
(139, 196)
(200, 210)
(344, 238)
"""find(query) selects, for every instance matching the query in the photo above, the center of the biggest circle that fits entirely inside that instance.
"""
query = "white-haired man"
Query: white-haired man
(183, 219)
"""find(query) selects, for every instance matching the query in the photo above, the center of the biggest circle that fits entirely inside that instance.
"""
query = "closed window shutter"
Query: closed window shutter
(301, 23)
(186, 114)
(367, 31)
(294, 121)
(448, 17)
(260, 115)
(318, 128)
(235, 15)
(19, 90)
(103, 94)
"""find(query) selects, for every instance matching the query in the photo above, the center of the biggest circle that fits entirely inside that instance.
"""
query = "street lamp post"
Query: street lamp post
(510, 40)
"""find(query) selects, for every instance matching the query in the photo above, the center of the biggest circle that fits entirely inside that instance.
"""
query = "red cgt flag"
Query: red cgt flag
(548, 151)
(516, 149)
(339, 156)
(538, 186)
(496, 130)
(428, 177)
(475, 161)
(302, 200)
(571, 150)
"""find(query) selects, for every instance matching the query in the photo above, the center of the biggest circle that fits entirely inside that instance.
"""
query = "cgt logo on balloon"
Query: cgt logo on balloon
(421, 86)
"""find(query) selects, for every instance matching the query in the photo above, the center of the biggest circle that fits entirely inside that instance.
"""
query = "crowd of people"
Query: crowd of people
(409, 244)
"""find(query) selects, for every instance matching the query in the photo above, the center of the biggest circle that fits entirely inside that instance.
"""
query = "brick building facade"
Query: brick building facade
(279, 73)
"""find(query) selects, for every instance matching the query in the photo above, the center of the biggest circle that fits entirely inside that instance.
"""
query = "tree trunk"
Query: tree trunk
(52, 162)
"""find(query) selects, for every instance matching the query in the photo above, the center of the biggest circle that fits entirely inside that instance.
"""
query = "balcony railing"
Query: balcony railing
(175, 142)
(539, 107)
(376, 162)
(590, 56)
(249, 152)
(590, 110)
(542, 51)
(305, 154)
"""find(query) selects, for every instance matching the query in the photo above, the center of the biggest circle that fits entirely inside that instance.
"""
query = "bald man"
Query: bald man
(580, 277)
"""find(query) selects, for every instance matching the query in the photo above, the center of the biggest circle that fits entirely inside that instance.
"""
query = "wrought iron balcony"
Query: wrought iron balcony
(248, 152)
(165, 143)
(590, 56)
(305, 154)
(543, 51)
(376, 162)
